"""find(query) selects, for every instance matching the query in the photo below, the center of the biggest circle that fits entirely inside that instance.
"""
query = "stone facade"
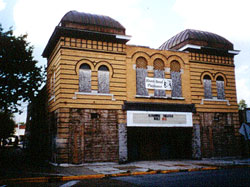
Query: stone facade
(86, 135)
(123, 146)
(196, 142)
(218, 134)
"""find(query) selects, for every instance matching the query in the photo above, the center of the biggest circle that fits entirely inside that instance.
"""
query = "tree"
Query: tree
(242, 104)
(7, 126)
(20, 78)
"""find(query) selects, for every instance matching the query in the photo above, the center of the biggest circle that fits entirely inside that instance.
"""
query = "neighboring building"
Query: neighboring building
(103, 101)
(20, 131)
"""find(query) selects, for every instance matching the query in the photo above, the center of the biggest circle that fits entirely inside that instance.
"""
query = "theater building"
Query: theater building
(110, 101)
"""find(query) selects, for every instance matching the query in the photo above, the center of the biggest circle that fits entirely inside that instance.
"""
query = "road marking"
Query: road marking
(68, 184)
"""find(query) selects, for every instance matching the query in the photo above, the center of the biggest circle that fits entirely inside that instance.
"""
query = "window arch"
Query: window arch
(103, 79)
(159, 73)
(175, 71)
(207, 87)
(220, 87)
(85, 78)
(141, 74)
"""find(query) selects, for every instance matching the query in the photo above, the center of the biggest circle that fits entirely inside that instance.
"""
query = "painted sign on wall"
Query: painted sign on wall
(159, 119)
(158, 83)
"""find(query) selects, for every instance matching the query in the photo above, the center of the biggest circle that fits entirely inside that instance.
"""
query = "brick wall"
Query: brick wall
(93, 135)
(218, 134)
(84, 135)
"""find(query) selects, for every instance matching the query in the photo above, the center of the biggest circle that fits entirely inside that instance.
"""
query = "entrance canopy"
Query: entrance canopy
(141, 114)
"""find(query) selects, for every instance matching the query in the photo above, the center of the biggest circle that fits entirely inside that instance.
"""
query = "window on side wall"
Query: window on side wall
(220, 87)
(159, 73)
(53, 81)
(103, 79)
(175, 71)
(207, 87)
(141, 74)
(85, 78)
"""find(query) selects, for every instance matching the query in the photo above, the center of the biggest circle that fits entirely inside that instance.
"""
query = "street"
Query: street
(225, 177)
(16, 165)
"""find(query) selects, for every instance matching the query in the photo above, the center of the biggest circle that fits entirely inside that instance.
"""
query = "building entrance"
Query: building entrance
(150, 143)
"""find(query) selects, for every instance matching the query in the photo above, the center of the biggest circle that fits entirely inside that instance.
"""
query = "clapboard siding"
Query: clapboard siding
(97, 97)
(89, 106)
(66, 60)
(64, 63)
(197, 69)
(133, 52)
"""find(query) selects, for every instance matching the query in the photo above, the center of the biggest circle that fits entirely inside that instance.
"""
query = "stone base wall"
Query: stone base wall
(218, 133)
(123, 143)
(85, 135)
(93, 135)
(196, 142)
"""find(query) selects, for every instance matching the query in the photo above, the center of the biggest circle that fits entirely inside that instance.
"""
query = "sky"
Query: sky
(150, 23)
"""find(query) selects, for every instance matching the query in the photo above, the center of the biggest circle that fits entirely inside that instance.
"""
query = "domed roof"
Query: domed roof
(81, 20)
(196, 37)
(86, 26)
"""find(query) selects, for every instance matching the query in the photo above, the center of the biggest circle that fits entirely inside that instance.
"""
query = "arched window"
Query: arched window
(207, 87)
(220, 87)
(159, 73)
(141, 74)
(103, 79)
(175, 71)
(85, 78)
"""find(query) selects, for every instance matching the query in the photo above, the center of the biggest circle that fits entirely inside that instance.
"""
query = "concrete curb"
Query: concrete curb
(51, 179)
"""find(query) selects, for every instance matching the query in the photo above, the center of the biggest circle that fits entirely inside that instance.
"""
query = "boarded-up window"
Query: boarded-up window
(159, 73)
(207, 87)
(220, 88)
(141, 74)
(175, 70)
(103, 79)
(52, 84)
(85, 78)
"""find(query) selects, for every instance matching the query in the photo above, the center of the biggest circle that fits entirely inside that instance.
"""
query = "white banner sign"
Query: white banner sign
(159, 119)
(158, 83)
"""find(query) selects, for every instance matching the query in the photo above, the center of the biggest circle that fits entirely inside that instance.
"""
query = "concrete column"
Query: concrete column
(196, 142)
(123, 148)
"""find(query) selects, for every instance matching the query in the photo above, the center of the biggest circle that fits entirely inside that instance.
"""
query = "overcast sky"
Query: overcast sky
(150, 23)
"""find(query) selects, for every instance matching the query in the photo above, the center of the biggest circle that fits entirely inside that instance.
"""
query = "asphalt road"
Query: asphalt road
(227, 177)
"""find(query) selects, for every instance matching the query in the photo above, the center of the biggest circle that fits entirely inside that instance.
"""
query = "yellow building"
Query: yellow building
(109, 101)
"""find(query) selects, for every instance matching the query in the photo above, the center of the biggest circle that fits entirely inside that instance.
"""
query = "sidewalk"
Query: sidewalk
(16, 169)
(149, 166)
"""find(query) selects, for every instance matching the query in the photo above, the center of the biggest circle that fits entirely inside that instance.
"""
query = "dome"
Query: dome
(196, 37)
(92, 22)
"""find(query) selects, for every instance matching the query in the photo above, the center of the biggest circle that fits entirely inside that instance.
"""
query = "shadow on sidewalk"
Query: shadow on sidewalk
(16, 163)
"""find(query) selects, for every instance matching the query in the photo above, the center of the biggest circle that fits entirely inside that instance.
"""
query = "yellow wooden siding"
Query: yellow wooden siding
(150, 55)
(197, 88)
(65, 61)
(67, 88)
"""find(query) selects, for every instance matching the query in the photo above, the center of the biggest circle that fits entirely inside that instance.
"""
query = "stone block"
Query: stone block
(196, 142)
(123, 151)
